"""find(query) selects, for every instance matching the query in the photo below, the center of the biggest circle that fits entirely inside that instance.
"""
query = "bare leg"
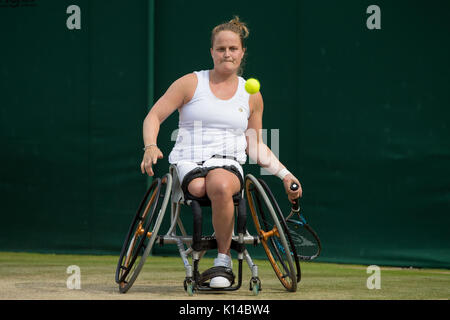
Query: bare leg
(221, 185)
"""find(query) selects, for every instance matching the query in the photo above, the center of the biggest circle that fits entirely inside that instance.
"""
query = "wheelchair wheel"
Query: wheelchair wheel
(143, 232)
(272, 233)
(283, 223)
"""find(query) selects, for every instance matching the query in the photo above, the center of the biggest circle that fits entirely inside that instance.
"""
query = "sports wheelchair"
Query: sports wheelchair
(270, 225)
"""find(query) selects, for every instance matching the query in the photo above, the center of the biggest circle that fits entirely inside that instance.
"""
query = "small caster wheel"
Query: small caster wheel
(189, 286)
(255, 286)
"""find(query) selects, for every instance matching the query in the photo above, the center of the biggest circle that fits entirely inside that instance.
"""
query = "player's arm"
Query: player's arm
(258, 151)
(179, 93)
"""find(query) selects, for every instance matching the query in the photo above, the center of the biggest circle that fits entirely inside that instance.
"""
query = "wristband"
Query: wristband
(282, 173)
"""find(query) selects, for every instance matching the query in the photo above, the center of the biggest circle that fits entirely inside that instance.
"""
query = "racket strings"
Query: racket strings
(306, 244)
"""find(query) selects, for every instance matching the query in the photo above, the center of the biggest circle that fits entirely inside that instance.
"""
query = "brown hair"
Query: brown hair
(237, 26)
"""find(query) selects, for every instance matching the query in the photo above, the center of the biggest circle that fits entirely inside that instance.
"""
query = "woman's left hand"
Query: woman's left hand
(288, 180)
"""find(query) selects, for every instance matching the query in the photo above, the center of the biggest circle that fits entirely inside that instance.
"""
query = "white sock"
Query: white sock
(223, 260)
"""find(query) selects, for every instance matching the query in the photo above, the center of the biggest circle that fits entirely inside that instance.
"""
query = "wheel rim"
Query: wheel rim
(290, 242)
(272, 238)
(138, 236)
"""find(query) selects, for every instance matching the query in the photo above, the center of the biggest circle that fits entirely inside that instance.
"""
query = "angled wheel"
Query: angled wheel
(143, 232)
(271, 233)
(288, 234)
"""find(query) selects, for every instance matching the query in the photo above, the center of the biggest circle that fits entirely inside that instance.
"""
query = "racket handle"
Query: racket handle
(294, 187)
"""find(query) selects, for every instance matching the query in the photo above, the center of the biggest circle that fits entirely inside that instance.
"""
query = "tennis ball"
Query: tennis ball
(252, 86)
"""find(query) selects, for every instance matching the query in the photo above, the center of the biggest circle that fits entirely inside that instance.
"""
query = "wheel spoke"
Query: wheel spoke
(273, 238)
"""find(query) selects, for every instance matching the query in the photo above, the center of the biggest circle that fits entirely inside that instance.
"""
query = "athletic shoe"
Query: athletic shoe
(222, 260)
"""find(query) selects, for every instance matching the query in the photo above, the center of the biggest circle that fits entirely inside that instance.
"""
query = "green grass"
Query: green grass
(43, 276)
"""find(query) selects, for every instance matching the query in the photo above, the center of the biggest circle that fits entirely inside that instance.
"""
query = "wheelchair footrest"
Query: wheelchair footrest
(199, 281)
(216, 272)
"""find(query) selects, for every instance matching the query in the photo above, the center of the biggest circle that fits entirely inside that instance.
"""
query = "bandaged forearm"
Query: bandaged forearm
(262, 155)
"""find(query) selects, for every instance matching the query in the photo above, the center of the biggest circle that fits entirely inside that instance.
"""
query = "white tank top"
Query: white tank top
(209, 125)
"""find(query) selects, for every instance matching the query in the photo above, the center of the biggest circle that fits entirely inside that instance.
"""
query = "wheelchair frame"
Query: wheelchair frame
(196, 245)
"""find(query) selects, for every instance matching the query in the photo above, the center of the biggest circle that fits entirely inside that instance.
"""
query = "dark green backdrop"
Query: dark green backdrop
(362, 114)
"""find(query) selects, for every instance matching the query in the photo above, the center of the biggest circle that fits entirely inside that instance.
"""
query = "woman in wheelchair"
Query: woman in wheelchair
(219, 124)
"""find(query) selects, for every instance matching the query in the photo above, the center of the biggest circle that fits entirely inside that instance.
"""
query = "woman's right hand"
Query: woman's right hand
(151, 156)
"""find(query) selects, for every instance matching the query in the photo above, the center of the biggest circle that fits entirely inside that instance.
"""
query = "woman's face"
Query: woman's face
(227, 52)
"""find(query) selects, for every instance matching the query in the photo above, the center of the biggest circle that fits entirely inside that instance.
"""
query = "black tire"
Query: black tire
(271, 233)
(142, 233)
(293, 249)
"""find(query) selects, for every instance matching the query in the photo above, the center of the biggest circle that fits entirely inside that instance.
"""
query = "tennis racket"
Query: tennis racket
(306, 240)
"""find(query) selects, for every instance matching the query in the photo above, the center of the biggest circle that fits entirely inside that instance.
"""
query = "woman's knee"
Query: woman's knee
(197, 187)
(221, 184)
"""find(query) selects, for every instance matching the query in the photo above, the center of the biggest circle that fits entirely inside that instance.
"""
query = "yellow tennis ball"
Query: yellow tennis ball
(252, 85)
